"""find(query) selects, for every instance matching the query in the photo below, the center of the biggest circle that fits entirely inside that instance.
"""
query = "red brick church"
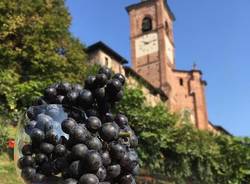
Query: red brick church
(153, 61)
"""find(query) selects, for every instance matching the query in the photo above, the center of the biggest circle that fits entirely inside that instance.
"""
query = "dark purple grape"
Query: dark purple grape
(93, 161)
(85, 98)
(125, 162)
(68, 125)
(46, 148)
(39, 110)
(29, 127)
(91, 112)
(60, 150)
(61, 164)
(39, 101)
(63, 88)
(117, 151)
(47, 168)
(94, 144)
(100, 94)
(70, 143)
(93, 124)
(50, 93)
(114, 86)
(80, 134)
(55, 85)
(37, 135)
(70, 181)
(104, 107)
(117, 97)
(106, 160)
(44, 122)
(75, 169)
(89, 179)
(109, 117)
(82, 126)
(79, 151)
(109, 132)
(38, 178)
(101, 173)
(133, 155)
(59, 99)
(106, 71)
(120, 77)
(121, 120)
(133, 141)
(28, 161)
(31, 114)
(20, 164)
(71, 98)
(127, 179)
(28, 173)
(135, 170)
(27, 149)
(113, 171)
(90, 83)
(43, 118)
(44, 126)
(40, 158)
(129, 161)
(52, 137)
(101, 80)
(77, 87)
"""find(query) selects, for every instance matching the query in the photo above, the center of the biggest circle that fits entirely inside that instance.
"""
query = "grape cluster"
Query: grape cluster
(75, 137)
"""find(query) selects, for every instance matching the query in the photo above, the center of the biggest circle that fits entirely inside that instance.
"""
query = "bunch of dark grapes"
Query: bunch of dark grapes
(75, 138)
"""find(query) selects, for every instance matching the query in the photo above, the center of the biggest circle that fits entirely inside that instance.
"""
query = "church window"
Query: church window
(181, 81)
(166, 26)
(106, 61)
(147, 24)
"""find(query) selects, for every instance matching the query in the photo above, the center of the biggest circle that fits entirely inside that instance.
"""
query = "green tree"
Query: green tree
(36, 49)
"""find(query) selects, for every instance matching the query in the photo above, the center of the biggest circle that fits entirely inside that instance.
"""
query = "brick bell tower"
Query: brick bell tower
(152, 42)
(153, 58)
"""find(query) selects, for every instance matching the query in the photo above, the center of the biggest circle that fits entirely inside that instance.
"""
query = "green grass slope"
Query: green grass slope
(8, 173)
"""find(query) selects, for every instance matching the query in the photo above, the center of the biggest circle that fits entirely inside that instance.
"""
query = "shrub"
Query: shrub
(3, 137)
(170, 145)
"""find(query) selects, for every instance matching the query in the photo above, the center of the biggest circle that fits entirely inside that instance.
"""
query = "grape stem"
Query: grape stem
(124, 134)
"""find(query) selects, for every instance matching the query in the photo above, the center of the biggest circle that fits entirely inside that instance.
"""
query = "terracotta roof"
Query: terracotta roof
(153, 89)
(102, 46)
(137, 5)
(220, 129)
(191, 71)
(188, 71)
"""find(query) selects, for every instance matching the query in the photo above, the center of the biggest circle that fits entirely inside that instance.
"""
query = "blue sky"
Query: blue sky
(214, 34)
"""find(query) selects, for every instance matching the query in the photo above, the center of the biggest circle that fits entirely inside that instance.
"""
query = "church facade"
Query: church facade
(153, 61)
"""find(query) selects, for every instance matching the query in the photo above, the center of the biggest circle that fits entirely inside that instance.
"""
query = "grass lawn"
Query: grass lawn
(8, 173)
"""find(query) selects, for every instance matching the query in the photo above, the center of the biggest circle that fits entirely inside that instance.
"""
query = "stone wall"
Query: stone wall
(101, 58)
(151, 98)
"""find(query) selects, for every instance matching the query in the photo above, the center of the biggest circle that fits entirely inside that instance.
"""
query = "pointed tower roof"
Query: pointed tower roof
(145, 2)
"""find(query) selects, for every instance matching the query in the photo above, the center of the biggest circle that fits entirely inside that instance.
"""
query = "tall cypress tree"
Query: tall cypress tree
(36, 49)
